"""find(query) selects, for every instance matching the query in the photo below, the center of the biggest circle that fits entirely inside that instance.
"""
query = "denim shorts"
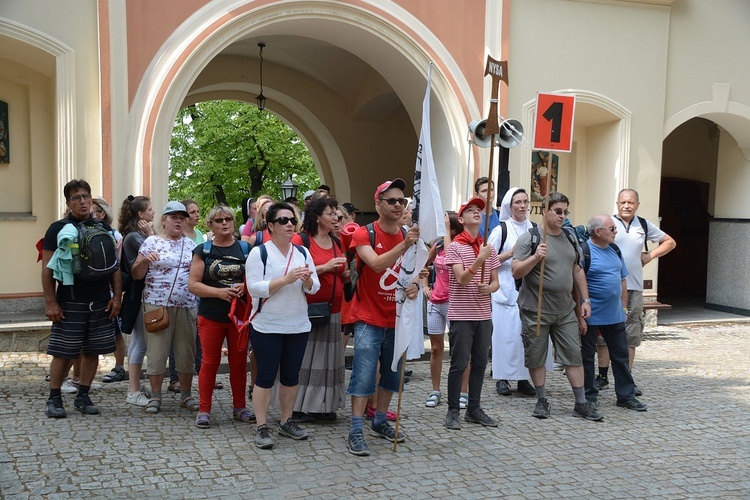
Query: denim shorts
(372, 344)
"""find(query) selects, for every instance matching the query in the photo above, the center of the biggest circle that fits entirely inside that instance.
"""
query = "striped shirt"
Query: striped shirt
(466, 303)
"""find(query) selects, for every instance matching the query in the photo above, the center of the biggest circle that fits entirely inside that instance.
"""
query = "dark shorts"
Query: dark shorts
(85, 328)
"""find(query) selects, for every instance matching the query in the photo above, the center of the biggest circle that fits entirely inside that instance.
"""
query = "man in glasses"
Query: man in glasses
(558, 319)
(605, 276)
(633, 235)
(82, 312)
(374, 308)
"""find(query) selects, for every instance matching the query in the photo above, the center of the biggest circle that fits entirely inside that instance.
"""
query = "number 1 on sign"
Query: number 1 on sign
(553, 128)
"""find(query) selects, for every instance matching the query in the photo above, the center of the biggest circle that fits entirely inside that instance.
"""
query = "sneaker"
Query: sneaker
(452, 421)
(116, 375)
(602, 382)
(503, 387)
(526, 388)
(69, 388)
(55, 408)
(357, 444)
(593, 402)
(541, 410)
(290, 429)
(94, 386)
(558, 367)
(638, 392)
(586, 410)
(478, 416)
(301, 417)
(463, 401)
(137, 399)
(633, 404)
(263, 439)
(387, 431)
(83, 404)
(433, 399)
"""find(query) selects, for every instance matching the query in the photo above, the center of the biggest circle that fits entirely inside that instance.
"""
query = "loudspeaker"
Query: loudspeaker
(477, 130)
(511, 133)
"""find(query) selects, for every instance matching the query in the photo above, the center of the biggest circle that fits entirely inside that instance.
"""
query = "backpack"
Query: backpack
(97, 252)
(644, 225)
(356, 270)
(578, 236)
(244, 245)
(504, 237)
(587, 254)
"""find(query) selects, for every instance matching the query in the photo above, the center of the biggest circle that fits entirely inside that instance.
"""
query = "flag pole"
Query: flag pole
(487, 207)
(544, 240)
(398, 407)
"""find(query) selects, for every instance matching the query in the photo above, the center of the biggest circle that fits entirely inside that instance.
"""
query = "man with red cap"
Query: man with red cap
(374, 308)
(472, 277)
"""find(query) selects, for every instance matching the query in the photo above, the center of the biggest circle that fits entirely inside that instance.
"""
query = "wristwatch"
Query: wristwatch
(585, 301)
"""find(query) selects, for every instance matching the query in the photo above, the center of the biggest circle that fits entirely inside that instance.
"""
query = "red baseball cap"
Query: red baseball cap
(474, 201)
(398, 183)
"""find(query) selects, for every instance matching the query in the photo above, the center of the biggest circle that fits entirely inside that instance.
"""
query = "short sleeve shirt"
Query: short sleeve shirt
(604, 279)
(557, 297)
(466, 303)
(174, 260)
(375, 300)
(630, 238)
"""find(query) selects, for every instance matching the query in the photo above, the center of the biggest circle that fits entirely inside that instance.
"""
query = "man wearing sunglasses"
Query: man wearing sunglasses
(558, 318)
(608, 291)
(374, 309)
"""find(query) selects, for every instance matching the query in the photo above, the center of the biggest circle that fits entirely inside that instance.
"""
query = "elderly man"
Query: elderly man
(558, 321)
(605, 275)
(632, 236)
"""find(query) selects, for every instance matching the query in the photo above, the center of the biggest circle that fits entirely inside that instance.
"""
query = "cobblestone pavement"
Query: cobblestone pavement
(692, 442)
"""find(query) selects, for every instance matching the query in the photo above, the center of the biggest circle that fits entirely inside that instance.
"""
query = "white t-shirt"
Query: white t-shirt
(286, 310)
(630, 239)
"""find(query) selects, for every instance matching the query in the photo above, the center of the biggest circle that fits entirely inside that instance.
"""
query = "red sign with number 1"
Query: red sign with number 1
(553, 122)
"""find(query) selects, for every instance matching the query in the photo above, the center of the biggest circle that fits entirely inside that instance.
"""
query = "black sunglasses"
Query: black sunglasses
(393, 201)
(286, 220)
(222, 220)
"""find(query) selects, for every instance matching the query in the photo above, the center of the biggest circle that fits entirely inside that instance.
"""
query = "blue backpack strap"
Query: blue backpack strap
(206, 248)
(244, 246)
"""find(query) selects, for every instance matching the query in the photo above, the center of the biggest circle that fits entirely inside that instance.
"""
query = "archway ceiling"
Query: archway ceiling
(336, 69)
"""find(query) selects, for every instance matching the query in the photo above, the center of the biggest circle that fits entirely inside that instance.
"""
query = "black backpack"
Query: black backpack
(504, 237)
(97, 252)
(577, 236)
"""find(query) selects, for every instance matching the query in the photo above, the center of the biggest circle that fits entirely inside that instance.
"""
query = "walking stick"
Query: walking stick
(398, 407)
(544, 260)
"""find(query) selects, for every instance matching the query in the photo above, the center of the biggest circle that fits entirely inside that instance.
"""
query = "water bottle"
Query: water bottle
(76, 253)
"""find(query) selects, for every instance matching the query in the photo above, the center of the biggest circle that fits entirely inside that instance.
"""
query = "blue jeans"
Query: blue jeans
(617, 343)
(372, 344)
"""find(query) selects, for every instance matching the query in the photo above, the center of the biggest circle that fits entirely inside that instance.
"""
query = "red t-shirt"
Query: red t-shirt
(322, 256)
(375, 300)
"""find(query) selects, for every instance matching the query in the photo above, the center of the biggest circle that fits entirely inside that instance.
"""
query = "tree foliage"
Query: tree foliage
(224, 151)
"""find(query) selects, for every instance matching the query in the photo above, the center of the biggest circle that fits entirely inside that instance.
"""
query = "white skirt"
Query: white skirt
(507, 346)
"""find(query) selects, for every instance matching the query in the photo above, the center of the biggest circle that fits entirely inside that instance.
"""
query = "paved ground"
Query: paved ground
(693, 441)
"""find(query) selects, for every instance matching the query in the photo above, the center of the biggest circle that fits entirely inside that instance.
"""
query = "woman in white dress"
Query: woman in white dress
(507, 347)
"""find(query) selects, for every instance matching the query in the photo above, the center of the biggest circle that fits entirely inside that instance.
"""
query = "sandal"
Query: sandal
(203, 421)
(153, 406)
(174, 386)
(116, 375)
(433, 399)
(190, 403)
(218, 385)
(244, 415)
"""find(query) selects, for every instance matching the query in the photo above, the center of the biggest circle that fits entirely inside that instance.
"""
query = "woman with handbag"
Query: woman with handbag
(217, 276)
(322, 388)
(279, 275)
(169, 309)
(136, 218)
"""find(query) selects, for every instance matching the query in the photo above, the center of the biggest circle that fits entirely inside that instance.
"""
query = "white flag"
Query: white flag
(428, 214)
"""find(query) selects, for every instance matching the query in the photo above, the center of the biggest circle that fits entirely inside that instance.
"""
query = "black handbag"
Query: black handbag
(319, 313)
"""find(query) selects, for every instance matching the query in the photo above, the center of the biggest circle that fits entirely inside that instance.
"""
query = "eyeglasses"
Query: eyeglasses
(99, 210)
(393, 201)
(286, 220)
(610, 228)
(338, 217)
(560, 211)
(521, 202)
(80, 197)
(222, 220)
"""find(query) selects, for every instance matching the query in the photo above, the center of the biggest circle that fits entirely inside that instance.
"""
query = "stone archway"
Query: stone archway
(371, 150)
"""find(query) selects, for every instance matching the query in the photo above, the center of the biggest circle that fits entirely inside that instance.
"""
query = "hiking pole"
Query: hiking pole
(398, 407)
(544, 260)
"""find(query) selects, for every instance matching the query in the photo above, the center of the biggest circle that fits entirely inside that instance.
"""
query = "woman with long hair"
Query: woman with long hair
(322, 387)
(136, 224)
(279, 275)
(250, 232)
(217, 276)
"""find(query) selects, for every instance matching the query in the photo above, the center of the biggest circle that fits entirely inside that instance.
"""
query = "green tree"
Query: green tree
(223, 151)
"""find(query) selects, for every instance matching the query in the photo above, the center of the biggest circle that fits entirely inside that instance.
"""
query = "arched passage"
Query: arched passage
(369, 131)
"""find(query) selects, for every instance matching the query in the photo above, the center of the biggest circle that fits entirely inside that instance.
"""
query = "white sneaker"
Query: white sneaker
(137, 399)
(95, 386)
(463, 401)
(68, 388)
